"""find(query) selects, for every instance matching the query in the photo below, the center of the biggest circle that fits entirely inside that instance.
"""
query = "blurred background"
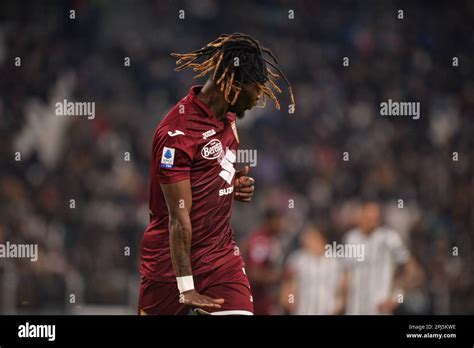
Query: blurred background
(91, 251)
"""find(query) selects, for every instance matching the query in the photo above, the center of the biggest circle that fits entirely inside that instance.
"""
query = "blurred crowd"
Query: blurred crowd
(78, 187)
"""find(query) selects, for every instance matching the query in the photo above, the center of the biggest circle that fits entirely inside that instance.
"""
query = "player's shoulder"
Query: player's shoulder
(297, 258)
(185, 117)
(386, 232)
(389, 236)
(352, 235)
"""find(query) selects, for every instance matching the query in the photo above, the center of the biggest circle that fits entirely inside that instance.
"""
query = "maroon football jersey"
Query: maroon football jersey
(190, 143)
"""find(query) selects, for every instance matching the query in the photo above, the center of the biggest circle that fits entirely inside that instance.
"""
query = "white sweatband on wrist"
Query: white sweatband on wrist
(185, 283)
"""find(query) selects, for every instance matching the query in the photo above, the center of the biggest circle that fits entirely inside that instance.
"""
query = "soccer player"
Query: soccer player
(373, 284)
(188, 254)
(313, 282)
(264, 256)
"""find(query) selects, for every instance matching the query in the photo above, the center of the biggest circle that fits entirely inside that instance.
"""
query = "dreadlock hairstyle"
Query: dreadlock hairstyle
(234, 60)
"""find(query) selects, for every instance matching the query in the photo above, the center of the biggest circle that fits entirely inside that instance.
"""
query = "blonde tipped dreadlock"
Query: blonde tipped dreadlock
(251, 68)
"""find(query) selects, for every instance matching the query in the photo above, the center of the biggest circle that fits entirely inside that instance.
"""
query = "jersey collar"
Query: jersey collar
(192, 95)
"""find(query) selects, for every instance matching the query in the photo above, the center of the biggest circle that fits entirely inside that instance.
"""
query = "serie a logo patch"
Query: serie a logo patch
(167, 158)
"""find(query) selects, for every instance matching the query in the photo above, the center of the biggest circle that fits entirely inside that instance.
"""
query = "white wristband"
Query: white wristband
(185, 283)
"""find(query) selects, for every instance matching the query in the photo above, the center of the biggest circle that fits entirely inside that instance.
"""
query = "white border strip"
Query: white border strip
(232, 312)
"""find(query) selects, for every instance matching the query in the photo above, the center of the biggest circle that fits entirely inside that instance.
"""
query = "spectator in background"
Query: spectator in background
(371, 282)
(264, 258)
(313, 282)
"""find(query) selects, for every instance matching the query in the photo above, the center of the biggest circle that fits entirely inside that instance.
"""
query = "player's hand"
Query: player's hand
(194, 298)
(243, 186)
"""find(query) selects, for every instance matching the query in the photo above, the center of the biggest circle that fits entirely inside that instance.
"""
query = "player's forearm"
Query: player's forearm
(180, 246)
(343, 293)
(398, 281)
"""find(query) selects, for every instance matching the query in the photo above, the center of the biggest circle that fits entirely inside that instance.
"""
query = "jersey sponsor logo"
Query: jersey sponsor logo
(175, 133)
(167, 158)
(212, 149)
(208, 134)
(227, 163)
(226, 191)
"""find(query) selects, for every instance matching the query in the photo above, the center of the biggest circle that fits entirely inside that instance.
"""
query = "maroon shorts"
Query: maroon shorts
(231, 284)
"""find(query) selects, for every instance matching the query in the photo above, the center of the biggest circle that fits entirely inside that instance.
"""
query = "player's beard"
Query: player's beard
(240, 114)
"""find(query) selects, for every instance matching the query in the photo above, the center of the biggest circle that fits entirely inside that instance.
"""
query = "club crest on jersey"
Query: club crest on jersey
(234, 130)
(167, 158)
(212, 149)
(208, 134)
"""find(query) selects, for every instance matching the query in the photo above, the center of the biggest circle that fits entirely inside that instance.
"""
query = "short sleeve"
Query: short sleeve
(293, 262)
(174, 155)
(350, 238)
(398, 250)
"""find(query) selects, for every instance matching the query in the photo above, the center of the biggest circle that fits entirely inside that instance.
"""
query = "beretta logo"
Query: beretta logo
(212, 149)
